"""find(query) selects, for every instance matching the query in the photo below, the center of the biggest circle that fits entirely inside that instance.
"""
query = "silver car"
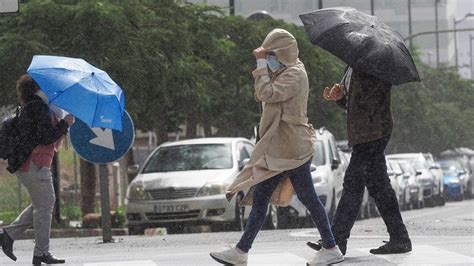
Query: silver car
(184, 182)
(327, 173)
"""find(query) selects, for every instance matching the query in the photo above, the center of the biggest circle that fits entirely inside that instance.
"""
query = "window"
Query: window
(190, 157)
(319, 157)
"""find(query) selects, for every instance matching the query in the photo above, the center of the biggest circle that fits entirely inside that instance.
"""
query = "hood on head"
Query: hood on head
(283, 44)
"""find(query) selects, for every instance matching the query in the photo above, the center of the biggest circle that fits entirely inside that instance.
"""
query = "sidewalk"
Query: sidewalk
(76, 232)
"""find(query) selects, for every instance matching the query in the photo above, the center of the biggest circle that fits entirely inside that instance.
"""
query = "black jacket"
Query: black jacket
(369, 116)
(34, 127)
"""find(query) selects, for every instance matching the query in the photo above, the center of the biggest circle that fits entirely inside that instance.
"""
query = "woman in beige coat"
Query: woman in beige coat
(282, 157)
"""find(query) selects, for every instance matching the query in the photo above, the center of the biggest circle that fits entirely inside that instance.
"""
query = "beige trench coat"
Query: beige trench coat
(286, 137)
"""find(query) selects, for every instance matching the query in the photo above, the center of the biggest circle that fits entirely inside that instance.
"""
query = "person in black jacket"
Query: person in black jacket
(34, 145)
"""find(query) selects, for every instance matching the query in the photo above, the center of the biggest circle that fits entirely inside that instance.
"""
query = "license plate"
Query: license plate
(171, 208)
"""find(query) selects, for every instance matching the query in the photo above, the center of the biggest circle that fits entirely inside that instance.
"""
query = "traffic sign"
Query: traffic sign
(99, 145)
(9, 6)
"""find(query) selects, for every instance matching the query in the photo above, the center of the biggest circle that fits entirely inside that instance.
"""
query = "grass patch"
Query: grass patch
(9, 198)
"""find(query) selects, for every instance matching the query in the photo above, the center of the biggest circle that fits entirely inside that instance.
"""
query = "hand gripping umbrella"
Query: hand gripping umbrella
(81, 89)
(363, 42)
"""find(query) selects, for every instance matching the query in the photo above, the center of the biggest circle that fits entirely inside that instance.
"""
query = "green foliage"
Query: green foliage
(181, 63)
(9, 198)
(71, 212)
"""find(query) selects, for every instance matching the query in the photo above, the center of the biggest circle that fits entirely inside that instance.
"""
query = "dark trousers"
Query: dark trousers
(367, 167)
(303, 184)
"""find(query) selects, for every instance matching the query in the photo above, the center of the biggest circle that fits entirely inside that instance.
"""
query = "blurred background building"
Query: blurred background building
(451, 13)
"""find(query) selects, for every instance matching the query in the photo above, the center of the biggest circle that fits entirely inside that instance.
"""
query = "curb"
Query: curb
(75, 232)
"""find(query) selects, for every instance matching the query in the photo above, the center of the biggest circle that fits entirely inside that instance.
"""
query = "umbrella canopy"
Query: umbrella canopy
(363, 42)
(81, 89)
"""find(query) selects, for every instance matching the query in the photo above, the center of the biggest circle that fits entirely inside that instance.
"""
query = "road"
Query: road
(440, 235)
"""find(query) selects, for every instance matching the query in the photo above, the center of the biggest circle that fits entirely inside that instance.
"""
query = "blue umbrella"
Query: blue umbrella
(81, 89)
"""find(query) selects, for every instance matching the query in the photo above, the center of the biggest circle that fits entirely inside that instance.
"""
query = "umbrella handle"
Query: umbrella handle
(327, 91)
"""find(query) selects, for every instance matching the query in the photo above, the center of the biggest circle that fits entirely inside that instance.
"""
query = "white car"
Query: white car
(327, 176)
(184, 182)
(431, 181)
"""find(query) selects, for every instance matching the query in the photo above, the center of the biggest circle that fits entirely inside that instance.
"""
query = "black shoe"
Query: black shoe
(48, 259)
(392, 247)
(318, 245)
(7, 245)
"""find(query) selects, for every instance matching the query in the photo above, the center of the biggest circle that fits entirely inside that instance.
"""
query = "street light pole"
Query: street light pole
(456, 38)
(372, 9)
(320, 4)
(437, 34)
(455, 45)
(409, 23)
(470, 54)
(231, 7)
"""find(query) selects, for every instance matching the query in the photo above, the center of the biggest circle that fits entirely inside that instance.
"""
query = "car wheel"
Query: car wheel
(284, 218)
(136, 230)
(468, 193)
(239, 220)
(271, 221)
(175, 229)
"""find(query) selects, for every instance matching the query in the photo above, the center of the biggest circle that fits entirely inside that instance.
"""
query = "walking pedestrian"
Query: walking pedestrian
(282, 157)
(369, 126)
(34, 147)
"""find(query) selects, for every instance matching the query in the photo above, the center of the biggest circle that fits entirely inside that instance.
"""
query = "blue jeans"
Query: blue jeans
(303, 184)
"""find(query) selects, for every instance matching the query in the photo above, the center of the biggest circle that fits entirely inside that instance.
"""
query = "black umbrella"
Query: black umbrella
(363, 42)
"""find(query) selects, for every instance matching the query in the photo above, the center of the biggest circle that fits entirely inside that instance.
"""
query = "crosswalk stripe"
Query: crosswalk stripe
(123, 263)
(281, 259)
(425, 254)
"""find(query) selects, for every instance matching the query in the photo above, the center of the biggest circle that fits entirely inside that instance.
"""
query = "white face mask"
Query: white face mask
(273, 63)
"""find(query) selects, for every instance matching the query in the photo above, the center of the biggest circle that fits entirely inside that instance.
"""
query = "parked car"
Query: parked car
(435, 168)
(327, 176)
(453, 185)
(413, 182)
(371, 209)
(403, 186)
(432, 184)
(184, 182)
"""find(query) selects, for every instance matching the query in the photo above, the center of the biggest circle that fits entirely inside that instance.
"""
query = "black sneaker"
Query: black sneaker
(7, 245)
(318, 245)
(392, 247)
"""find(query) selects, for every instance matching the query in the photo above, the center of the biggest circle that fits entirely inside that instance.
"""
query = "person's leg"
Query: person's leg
(39, 184)
(303, 184)
(352, 194)
(24, 221)
(261, 198)
(379, 187)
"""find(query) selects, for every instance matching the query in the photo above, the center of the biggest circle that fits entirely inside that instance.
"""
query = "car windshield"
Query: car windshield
(419, 163)
(190, 157)
(319, 157)
(407, 167)
(451, 167)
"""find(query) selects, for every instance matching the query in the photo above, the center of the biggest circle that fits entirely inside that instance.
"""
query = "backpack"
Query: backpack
(8, 135)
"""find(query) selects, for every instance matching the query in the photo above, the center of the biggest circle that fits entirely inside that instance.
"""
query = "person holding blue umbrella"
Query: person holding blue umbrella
(35, 142)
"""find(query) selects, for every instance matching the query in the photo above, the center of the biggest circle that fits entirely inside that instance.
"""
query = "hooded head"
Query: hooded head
(283, 44)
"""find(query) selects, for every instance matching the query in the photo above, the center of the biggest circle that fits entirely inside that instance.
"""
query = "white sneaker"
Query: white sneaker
(230, 256)
(326, 256)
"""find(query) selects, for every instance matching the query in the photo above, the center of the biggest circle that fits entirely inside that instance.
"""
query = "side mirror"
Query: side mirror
(418, 172)
(390, 172)
(243, 163)
(460, 173)
(133, 170)
(406, 176)
(313, 167)
(434, 167)
(335, 164)
(398, 173)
